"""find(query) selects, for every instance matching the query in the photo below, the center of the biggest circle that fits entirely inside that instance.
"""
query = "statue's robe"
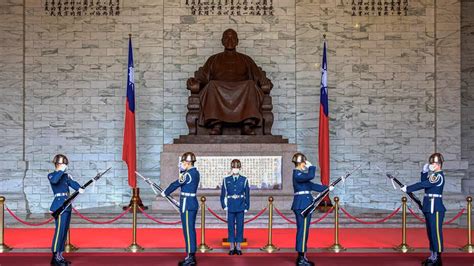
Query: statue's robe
(230, 89)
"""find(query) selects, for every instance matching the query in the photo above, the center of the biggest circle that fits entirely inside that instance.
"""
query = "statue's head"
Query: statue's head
(230, 39)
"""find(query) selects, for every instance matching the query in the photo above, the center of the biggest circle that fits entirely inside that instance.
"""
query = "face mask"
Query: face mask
(181, 167)
(432, 167)
(235, 171)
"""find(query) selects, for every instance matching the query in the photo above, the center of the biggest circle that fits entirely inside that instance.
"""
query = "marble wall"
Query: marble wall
(467, 90)
(394, 91)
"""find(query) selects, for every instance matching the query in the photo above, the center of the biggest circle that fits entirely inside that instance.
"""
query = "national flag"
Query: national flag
(323, 145)
(129, 151)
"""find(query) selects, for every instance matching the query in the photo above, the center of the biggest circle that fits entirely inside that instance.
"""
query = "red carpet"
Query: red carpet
(283, 238)
(283, 259)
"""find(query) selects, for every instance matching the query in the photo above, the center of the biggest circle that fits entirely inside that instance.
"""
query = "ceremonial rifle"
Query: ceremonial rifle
(412, 196)
(158, 190)
(71, 198)
(310, 209)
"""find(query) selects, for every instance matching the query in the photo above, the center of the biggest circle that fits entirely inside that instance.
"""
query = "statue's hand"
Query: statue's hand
(266, 85)
(193, 85)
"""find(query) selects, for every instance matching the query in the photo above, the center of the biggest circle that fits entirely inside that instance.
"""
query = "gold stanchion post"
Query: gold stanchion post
(203, 247)
(269, 247)
(336, 247)
(69, 246)
(3, 247)
(134, 247)
(403, 247)
(469, 247)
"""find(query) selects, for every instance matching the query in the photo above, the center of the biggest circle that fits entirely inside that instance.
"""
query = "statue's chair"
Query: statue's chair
(264, 127)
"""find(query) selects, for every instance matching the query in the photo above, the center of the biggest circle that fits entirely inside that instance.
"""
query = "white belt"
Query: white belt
(235, 196)
(61, 194)
(188, 194)
(302, 192)
(432, 199)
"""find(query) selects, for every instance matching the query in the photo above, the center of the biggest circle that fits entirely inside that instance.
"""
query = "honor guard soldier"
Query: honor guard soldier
(60, 182)
(235, 199)
(188, 181)
(303, 173)
(432, 181)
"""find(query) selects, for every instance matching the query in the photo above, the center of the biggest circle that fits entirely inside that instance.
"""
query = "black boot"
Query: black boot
(303, 261)
(189, 260)
(232, 252)
(438, 261)
(57, 262)
(238, 251)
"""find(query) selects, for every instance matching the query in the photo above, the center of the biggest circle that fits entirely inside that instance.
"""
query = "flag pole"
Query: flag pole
(326, 203)
(135, 199)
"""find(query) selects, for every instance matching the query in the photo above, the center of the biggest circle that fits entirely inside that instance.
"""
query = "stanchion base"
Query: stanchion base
(468, 248)
(203, 248)
(134, 248)
(4, 248)
(270, 248)
(70, 248)
(336, 248)
(404, 248)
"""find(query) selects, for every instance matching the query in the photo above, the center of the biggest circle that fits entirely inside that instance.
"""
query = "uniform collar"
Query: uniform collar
(302, 170)
(192, 167)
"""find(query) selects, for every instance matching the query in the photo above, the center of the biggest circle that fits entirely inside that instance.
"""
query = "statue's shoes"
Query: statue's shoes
(216, 130)
(248, 130)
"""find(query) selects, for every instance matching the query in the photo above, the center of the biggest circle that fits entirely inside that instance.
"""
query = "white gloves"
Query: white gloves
(81, 190)
(426, 168)
(62, 167)
(246, 211)
(404, 189)
(163, 194)
(343, 178)
(225, 209)
(308, 163)
(331, 188)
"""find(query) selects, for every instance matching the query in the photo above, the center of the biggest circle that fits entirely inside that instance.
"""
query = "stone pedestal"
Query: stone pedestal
(259, 198)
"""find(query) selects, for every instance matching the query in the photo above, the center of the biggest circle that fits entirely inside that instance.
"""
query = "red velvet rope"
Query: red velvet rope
(256, 216)
(445, 223)
(245, 222)
(97, 222)
(28, 223)
(283, 216)
(313, 222)
(455, 217)
(156, 220)
(372, 222)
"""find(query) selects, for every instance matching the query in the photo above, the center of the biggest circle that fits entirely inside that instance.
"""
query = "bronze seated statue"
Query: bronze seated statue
(230, 94)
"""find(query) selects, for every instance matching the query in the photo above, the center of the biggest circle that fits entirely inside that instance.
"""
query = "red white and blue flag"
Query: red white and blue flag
(129, 151)
(323, 145)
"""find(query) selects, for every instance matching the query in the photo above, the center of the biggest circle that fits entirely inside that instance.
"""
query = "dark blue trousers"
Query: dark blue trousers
(434, 228)
(188, 221)
(302, 231)
(235, 226)
(60, 233)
